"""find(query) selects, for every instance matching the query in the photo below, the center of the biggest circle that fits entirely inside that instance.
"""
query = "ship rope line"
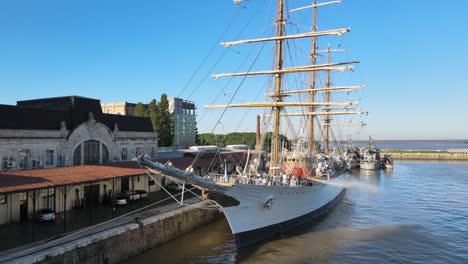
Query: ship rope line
(231, 20)
(220, 58)
(232, 98)
(224, 89)
(267, 83)
(181, 202)
(295, 76)
(224, 53)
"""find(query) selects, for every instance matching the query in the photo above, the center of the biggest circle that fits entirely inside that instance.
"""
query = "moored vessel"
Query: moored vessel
(352, 156)
(370, 157)
(387, 162)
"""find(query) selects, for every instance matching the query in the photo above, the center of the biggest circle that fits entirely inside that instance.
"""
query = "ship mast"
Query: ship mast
(327, 99)
(328, 89)
(313, 57)
(277, 103)
(278, 82)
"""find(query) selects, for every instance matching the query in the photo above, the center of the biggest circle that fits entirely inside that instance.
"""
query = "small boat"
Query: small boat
(352, 156)
(370, 157)
(387, 162)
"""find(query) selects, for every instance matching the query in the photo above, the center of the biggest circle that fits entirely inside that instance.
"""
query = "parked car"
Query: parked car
(45, 215)
(132, 195)
(142, 193)
(174, 187)
(121, 199)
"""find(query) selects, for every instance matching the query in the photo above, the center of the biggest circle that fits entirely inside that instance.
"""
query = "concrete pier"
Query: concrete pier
(120, 240)
(421, 155)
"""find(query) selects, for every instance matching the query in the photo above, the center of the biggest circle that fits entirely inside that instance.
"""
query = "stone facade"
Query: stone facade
(94, 139)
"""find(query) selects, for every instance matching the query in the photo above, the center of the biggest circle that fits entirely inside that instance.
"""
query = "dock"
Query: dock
(429, 155)
(117, 240)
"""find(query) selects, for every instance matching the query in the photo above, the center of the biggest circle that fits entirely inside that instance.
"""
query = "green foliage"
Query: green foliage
(153, 112)
(212, 139)
(161, 119)
(245, 138)
(140, 110)
(164, 122)
(284, 142)
(198, 140)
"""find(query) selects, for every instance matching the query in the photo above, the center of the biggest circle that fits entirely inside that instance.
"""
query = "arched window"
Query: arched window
(77, 156)
(105, 154)
(91, 152)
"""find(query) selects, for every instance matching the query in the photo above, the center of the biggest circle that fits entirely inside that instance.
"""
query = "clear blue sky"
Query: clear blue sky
(413, 56)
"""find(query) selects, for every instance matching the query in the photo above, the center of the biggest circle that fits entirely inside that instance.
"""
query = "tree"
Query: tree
(153, 112)
(164, 122)
(198, 140)
(140, 110)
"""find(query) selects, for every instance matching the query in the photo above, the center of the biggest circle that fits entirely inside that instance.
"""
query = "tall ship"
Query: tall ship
(302, 179)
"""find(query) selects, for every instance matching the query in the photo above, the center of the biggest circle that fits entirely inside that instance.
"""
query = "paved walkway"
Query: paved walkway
(32, 248)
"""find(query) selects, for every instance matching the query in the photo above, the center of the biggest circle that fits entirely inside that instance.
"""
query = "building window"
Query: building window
(105, 154)
(138, 151)
(152, 152)
(77, 156)
(91, 152)
(3, 199)
(24, 159)
(49, 158)
(124, 154)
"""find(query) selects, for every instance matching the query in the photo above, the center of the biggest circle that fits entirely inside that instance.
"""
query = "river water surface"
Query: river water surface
(416, 213)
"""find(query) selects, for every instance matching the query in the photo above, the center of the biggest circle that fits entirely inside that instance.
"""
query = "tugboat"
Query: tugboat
(370, 157)
(352, 156)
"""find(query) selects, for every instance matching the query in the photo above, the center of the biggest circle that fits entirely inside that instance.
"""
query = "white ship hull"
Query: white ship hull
(369, 165)
(252, 220)
(263, 211)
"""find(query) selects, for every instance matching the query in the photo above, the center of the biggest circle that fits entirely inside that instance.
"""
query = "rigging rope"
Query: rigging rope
(210, 52)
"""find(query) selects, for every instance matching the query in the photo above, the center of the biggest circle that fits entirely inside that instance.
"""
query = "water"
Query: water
(418, 215)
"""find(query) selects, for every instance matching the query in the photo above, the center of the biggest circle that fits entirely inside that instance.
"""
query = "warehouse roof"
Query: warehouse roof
(27, 180)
